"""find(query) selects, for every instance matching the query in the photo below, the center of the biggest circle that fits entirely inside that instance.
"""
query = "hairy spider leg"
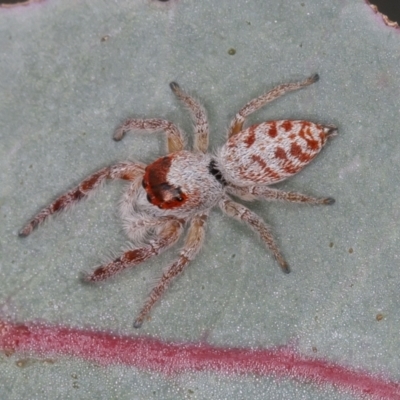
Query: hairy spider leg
(175, 138)
(199, 116)
(250, 193)
(253, 105)
(167, 237)
(242, 213)
(193, 243)
(127, 171)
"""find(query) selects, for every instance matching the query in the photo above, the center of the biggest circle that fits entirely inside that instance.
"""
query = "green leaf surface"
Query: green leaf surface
(71, 71)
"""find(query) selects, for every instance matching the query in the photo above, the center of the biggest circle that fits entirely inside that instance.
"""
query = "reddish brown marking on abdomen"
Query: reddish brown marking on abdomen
(280, 153)
(272, 131)
(306, 134)
(323, 136)
(251, 137)
(313, 144)
(297, 152)
(266, 171)
(287, 126)
(259, 161)
(291, 169)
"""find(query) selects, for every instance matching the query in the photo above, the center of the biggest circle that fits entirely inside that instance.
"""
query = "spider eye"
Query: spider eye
(173, 195)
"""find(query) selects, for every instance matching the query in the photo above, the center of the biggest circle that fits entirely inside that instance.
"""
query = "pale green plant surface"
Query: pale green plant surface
(70, 72)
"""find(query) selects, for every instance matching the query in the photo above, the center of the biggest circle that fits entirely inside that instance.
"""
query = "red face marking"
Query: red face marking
(159, 191)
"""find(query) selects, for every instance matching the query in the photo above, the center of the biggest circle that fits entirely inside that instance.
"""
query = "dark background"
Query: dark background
(391, 8)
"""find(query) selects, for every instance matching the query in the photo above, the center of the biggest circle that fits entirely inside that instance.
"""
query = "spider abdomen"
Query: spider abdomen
(272, 151)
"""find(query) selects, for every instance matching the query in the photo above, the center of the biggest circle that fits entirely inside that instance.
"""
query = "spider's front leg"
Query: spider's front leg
(175, 140)
(199, 116)
(242, 213)
(168, 235)
(252, 106)
(193, 242)
(127, 171)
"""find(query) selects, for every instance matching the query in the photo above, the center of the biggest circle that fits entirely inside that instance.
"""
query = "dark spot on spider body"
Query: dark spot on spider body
(214, 171)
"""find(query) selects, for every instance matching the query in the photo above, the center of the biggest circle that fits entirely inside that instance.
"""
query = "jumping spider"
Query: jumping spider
(182, 187)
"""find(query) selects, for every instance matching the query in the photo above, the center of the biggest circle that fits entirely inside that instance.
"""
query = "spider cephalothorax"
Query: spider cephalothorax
(182, 182)
(183, 186)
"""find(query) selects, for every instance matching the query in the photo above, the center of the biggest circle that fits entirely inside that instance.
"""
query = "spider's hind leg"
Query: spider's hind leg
(250, 193)
(242, 213)
(253, 105)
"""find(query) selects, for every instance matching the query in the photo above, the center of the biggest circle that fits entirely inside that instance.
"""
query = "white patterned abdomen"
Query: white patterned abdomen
(270, 152)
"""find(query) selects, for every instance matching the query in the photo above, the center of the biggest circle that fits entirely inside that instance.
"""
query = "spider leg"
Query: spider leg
(199, 117)
(126, 171)
(255, 104)
(269, 194)
(175, 139)
(242, 213)
(193, 242)
(168, 236)
(137, 229)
